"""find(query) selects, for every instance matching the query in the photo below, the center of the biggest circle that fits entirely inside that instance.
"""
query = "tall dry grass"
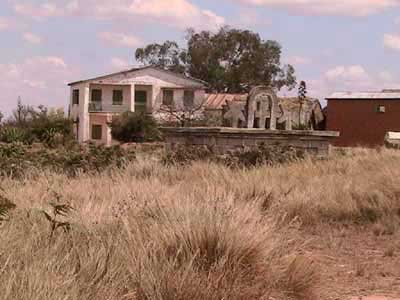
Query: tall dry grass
(198, 232)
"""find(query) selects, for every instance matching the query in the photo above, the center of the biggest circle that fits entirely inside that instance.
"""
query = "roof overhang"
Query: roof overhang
(199, 82)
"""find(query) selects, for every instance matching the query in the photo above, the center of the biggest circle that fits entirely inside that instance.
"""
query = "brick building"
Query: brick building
(363, 119)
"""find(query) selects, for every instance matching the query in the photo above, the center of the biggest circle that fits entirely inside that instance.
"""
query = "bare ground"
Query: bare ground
(355, 261)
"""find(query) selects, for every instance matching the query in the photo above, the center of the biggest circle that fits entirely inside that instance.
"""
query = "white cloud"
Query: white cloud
(38, 12)
(391, 41)
(347, 73)
(119, 63)
(356, 8)
(32, 38)
(119, 39)
(250, 18)
(177, 13)
(350, 78)
(297, 60)
(4, 23)
(38, 80)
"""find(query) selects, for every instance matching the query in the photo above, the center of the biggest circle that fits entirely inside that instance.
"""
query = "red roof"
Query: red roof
(217, 101)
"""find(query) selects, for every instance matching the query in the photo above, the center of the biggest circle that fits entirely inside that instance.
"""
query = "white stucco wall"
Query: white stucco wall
(153, 81)
(107, 97)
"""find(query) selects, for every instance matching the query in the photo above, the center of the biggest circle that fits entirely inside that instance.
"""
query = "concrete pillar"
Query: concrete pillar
(289, 121)
(84, 116)
(250, 115)
(152, 105)
(132, 106)
(273, 116)
(108, 130)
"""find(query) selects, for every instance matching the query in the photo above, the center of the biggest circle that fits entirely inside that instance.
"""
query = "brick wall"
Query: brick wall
(360, 123)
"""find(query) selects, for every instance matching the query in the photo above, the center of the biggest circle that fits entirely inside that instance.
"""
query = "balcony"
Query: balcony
(95, 106)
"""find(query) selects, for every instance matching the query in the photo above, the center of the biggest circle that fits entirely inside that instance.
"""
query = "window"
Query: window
(188, 99)
(97, 132)
(96, 95)
(256, 123)
(118, 97)
(75, 97)
(168, 97)
(267, 123)
(258, 106)
(381, 109)
(140, 101)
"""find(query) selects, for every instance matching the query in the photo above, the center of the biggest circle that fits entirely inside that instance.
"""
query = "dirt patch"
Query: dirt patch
(355, 262)
(373, 298)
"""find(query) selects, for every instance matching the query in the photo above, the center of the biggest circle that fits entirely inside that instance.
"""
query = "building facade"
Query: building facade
(94, 102)
(363, 119)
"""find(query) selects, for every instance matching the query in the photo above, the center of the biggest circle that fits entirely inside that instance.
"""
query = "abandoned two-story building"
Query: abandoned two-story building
(93, 102)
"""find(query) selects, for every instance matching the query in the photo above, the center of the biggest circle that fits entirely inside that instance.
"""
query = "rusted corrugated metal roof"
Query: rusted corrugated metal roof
(384, 94)
(217, 101)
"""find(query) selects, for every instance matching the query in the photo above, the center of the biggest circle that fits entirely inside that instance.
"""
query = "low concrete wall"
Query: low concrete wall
(222, 140)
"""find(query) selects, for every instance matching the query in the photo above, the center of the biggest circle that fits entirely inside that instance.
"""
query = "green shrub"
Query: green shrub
(263, 155)
(14, 135)
(183, 155)
(17, 159)
(134, 127)
(37, 125)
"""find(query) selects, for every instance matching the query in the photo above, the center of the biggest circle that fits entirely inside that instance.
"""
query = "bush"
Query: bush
(263, 155)
(42, 125)
(17, 160)
(14, 135)
(134, 127)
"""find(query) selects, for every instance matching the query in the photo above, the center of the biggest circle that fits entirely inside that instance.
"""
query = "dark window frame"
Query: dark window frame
(97, 136)
(188, 98)
(120, 94)
(75, 97)
(168, 102)
(141, 106)
(100, 93)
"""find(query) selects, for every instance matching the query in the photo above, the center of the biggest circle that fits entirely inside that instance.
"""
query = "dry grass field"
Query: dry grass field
(306, 230)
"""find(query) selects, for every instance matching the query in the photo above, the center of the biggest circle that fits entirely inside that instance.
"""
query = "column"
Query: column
(108, 130)
(84, 116)
(132, 107)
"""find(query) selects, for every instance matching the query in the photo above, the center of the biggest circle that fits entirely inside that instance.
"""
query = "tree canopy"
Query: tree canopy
(231, 60)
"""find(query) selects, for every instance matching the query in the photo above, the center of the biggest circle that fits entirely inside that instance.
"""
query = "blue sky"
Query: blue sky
(333, 45)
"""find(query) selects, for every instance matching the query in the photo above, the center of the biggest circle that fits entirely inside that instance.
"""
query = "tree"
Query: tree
(167, 56)
(1, 117)
(184, 115)
(22, 114)
(231, 60)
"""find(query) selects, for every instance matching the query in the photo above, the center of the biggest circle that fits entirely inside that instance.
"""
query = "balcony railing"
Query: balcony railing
(95, 106)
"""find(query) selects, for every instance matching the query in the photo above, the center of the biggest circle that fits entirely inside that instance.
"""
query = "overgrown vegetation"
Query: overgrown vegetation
(199, 231)
(134, 127)
(18, 160)
(230, 60)
(247, 157)
(28, 125)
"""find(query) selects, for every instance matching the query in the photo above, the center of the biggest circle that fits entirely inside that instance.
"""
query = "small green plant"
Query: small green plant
(13, 135)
